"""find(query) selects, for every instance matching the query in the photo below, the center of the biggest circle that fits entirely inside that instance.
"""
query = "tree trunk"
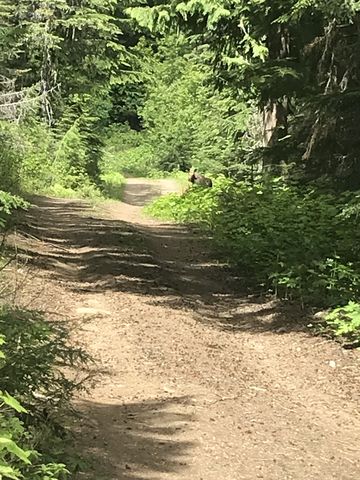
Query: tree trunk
(276, 111)
(274, 122)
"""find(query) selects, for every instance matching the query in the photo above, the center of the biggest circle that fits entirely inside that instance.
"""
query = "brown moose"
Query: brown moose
(198, 179)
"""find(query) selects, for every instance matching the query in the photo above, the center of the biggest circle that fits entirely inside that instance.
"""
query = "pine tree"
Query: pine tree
(294, 57)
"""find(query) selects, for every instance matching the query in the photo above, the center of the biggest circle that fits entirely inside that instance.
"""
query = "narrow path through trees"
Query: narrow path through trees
(195, 380)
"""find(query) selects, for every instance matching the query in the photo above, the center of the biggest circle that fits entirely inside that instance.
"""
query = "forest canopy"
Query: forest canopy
(229, 86)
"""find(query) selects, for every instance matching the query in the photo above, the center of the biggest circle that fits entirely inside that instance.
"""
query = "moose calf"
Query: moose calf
(198, 179)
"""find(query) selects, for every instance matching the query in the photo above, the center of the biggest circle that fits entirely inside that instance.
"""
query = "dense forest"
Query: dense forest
(263, 96)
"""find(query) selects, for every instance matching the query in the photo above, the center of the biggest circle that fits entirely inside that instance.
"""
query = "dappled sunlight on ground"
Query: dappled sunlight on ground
(195, 377)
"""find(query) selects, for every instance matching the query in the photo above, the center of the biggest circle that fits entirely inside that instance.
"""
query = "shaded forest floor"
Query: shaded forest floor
(194, 379)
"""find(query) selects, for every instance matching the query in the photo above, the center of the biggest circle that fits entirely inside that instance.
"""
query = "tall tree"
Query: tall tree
(282, 53)
(69, 51)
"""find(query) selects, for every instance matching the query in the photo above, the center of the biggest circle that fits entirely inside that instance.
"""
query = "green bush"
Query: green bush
(35, 158)
(127, 152)
(70, 154)
(33, 355)
(345, 321)
(11, 156)
(60, 160)
(38, 170)
(34, 350)
(112, 184)
(295, 241)
(21, 462)
(8, 204)
(86, 191)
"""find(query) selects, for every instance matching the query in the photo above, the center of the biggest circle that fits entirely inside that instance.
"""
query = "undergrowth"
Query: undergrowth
(33, 437)
(8, 204)
(301, 244)
(344, 322)
(35, 392)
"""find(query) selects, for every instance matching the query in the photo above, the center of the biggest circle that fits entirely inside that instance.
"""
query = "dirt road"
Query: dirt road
(196, 381)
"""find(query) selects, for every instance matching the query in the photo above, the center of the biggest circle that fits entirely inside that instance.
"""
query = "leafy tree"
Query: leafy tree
(185, 121)
(293, 58)
(61, 63)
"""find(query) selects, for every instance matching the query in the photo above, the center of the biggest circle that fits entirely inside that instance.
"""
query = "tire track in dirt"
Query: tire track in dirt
(196, 380)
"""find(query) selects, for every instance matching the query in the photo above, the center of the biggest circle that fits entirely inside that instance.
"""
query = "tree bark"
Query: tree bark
(274, 122)
(275, 112)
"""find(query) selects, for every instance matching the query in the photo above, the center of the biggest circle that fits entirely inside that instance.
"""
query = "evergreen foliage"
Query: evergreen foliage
(292, 57)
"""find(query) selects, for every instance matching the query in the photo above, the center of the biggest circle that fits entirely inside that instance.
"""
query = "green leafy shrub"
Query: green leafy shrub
(38, 159)
(38, 170)
(32, 362)
(294, 241)
(11, 156)
(12, 457)
(21, 462)
(26, 156)
(35, 349)
(15, 462)
(127, 152)
(74, 185)
(112, 184)
(70, 154)
(345, 321)
(8, 204)
(87, 191)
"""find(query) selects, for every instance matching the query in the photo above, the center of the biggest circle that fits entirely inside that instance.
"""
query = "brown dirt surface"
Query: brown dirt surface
(195, 379)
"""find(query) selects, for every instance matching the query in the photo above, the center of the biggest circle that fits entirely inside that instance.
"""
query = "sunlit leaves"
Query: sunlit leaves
(345, 321)
(287, 239)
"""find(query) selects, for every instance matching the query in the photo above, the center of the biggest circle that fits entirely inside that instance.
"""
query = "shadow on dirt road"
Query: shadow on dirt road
(149, 433)
(166, 262)
(195, 380)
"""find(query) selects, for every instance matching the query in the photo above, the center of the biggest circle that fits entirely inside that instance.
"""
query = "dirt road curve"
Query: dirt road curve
(196, 381)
